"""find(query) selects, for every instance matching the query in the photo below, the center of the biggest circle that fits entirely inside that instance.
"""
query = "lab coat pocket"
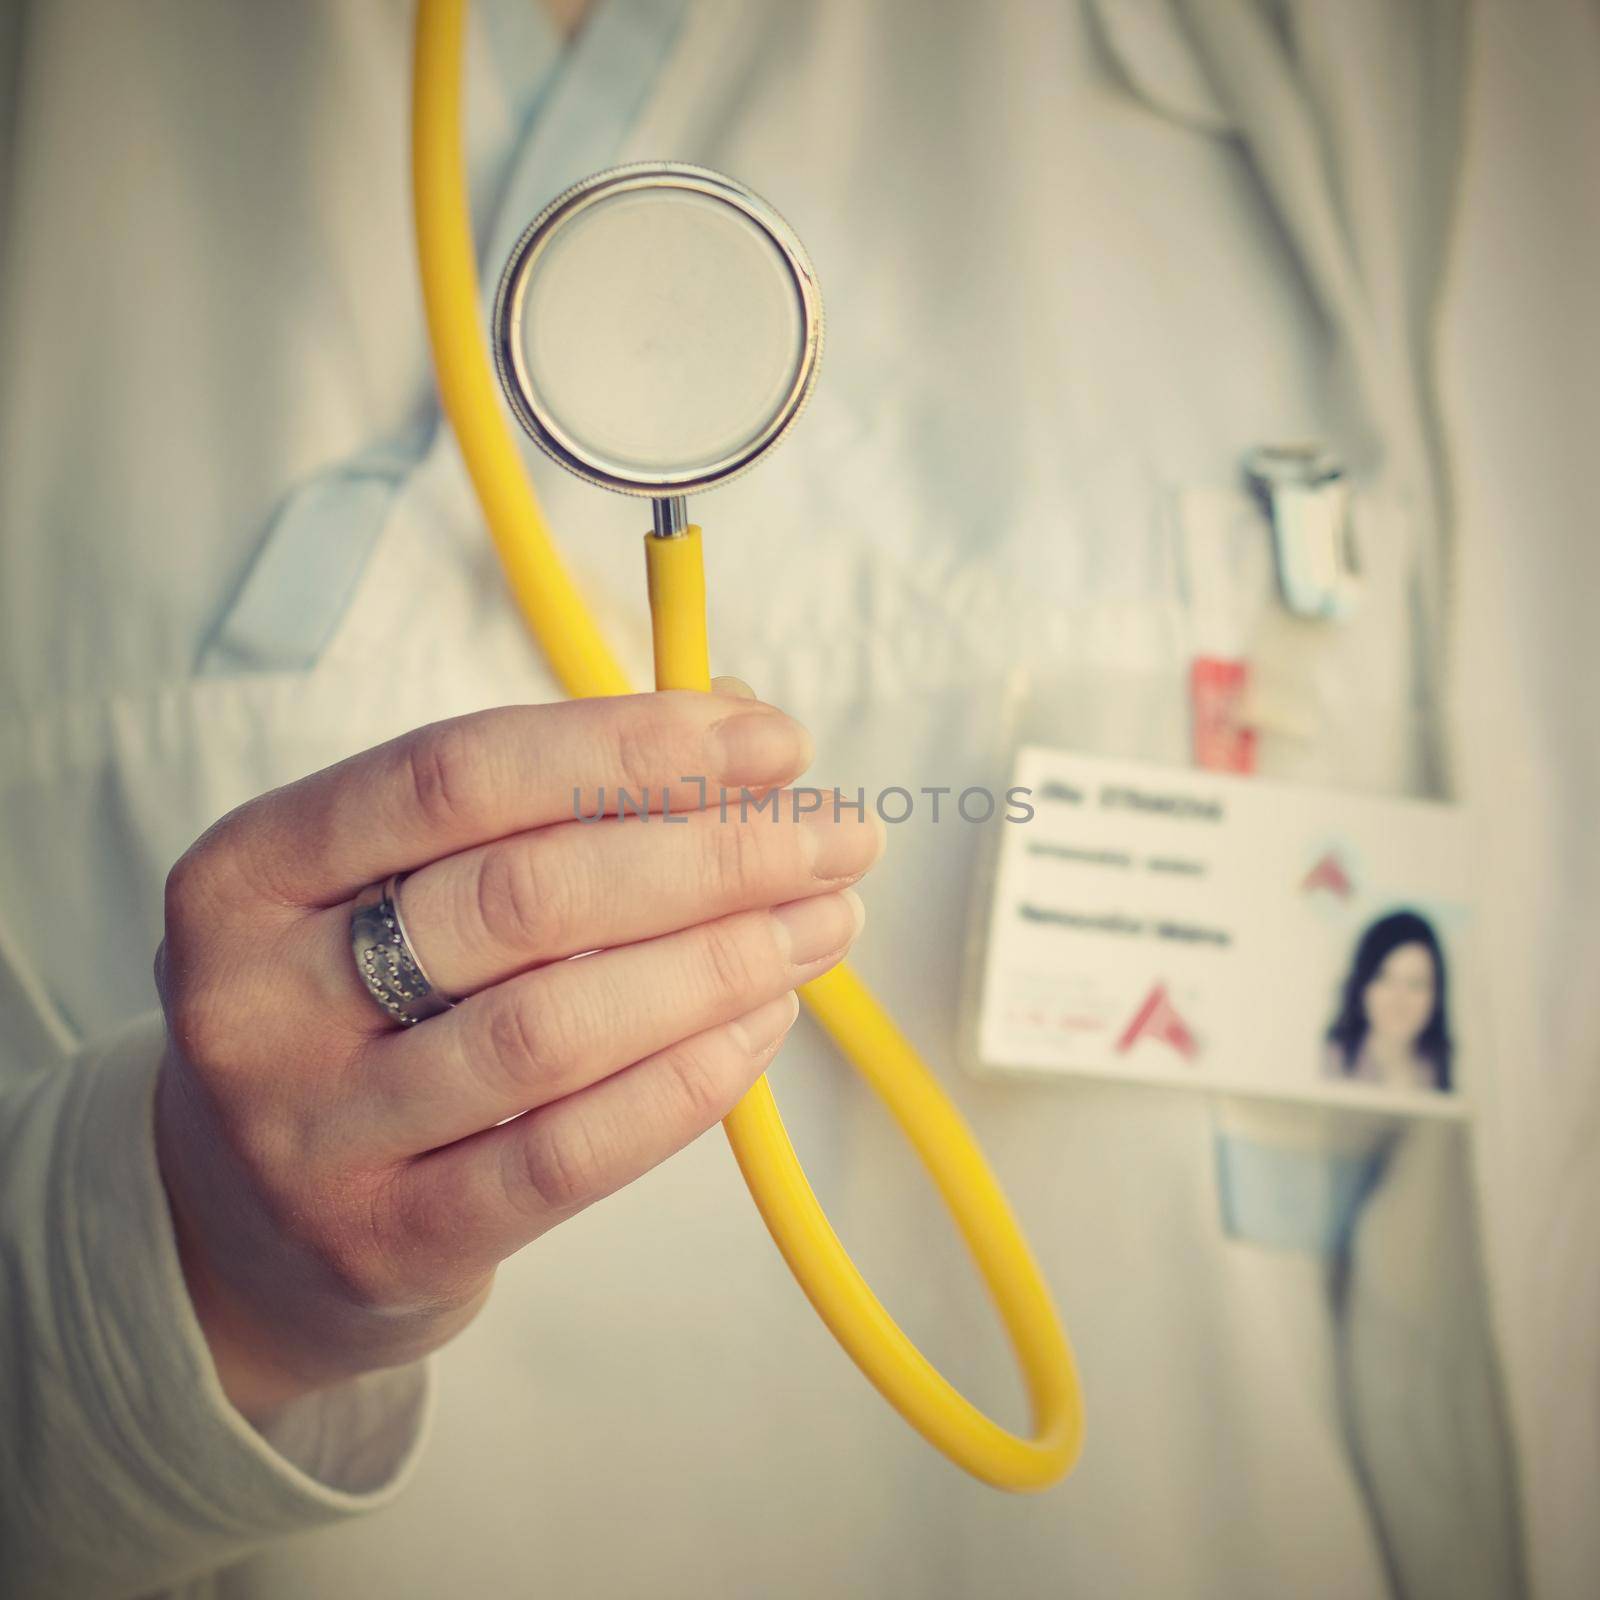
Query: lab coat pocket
(1313, 700)
(1123, 626)
(1343, 703)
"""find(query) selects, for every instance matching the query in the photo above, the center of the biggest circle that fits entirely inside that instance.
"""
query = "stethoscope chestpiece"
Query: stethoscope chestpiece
(657, 330)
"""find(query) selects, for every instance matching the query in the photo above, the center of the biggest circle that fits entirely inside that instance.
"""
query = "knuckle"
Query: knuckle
(444, 766)
(191, 881)
(397, 1264)
(351, 1252)
(737, 857)
(347, 1225)
(508, 1043)
(643, 748)
(562, 1166)
(527, 895)
(224, 870)
(198, 1022)
(697, 1084)
(200, 940)
(530, 1037)
(729, 957)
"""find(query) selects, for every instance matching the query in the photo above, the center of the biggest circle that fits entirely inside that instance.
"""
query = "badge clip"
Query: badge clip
(1306, 497)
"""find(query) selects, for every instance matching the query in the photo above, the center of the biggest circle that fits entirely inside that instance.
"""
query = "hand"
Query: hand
(343, 1188)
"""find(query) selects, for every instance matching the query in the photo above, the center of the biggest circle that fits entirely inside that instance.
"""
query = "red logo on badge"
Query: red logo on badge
(1158, 1018)
(1329, 873)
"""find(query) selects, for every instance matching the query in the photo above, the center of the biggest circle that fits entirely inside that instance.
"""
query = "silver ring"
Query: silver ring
(388, 965)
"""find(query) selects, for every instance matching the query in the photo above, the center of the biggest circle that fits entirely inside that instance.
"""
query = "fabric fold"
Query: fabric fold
(116, 1424)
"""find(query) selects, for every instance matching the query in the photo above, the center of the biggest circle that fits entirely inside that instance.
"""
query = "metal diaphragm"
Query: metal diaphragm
(658, 329)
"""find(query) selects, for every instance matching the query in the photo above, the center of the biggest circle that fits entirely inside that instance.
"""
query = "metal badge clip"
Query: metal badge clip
(1306, 497)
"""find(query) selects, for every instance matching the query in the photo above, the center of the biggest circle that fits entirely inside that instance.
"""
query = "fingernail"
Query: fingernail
(759, 747)
(766, 1024)
(737, 688)
(808, 930)
(843, 848)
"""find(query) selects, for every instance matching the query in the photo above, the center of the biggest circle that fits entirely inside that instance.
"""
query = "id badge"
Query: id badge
(1163, 925)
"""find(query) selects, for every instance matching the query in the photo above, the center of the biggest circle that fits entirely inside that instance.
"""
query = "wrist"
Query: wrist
(255, 1380)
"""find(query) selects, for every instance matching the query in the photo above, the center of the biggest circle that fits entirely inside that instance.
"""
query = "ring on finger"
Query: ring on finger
(389, 968)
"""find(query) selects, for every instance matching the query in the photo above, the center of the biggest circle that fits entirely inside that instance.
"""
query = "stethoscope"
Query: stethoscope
(657, 331)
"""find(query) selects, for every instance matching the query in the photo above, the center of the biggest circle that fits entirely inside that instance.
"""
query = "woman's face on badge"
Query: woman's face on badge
(1399, 999)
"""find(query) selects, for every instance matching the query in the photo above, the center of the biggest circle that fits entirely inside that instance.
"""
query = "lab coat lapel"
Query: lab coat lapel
(1349, 115)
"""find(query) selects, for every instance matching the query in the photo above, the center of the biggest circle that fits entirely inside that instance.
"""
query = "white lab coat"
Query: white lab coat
(1070, 275)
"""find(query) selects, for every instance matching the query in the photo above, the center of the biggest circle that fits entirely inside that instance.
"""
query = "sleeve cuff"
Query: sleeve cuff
(187, 1472)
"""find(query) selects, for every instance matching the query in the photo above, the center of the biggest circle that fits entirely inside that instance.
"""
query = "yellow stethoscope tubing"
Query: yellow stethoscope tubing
(863, 1031)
